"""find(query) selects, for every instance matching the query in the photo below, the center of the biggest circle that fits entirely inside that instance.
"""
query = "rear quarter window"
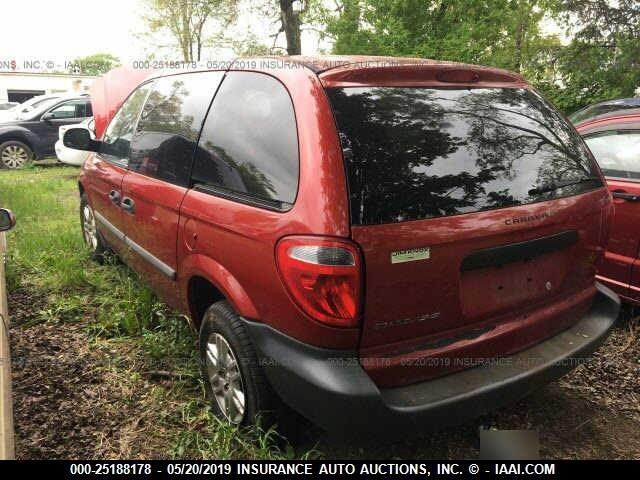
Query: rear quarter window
(415, 153)
(248, 149)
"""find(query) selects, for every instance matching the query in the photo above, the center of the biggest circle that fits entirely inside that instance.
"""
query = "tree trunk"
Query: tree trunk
(291, 26)
(521, 33)
(187, 47)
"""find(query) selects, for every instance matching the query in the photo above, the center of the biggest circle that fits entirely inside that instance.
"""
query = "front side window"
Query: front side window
(617, 153)
(68, 110)
(117, 136)
(165, 139)
(249, 143)
(415, 153)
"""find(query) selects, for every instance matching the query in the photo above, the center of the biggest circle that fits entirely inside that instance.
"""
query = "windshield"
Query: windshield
(414, 153)
(35, 108)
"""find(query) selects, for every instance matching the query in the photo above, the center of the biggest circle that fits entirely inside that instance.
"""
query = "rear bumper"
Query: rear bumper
(331, 389)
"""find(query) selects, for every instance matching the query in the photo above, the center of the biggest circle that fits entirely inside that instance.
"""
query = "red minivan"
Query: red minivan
(614, 139)
(376, 242)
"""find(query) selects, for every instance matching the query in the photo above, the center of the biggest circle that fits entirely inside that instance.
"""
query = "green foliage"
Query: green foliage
(250, 46)
(603, 59)
(96, 64)
(600, 61)
(47, 254)
(187, 22)
(498, 32)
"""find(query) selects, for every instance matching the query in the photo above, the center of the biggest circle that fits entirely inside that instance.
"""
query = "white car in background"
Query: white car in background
(69, 155)
(7, 105)
(17, 112)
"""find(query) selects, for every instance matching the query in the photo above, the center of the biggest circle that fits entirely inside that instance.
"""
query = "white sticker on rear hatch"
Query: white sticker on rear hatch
(401, 256)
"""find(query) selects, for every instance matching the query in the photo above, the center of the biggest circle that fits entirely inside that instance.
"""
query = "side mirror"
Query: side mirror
(80, 139)
(7, 220)
(48, 116)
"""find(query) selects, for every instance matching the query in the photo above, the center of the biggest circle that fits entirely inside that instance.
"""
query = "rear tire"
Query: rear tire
(92, 237)
(235, 383)
(15, 154)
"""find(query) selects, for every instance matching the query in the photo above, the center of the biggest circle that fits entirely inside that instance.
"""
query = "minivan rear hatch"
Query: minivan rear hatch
(478, 212)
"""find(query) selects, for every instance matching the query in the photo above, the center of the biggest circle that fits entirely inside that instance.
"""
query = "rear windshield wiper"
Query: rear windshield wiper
(557, 185)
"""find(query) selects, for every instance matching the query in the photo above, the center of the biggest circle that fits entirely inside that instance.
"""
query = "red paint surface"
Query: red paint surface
(620, 269)
(232, 245)
(109, 91)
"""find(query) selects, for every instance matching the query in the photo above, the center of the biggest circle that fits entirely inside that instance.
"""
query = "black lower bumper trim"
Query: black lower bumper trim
(330, 388)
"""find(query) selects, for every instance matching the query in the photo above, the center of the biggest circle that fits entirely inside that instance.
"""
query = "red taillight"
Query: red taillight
(323, 277)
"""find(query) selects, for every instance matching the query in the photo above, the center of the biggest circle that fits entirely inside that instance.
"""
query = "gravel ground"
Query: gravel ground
(68, 403)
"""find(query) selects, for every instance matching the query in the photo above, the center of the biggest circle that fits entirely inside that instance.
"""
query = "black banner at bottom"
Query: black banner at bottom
(172, 469)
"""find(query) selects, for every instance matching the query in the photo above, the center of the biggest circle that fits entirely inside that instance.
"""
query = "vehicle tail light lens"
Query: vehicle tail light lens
(323, 276)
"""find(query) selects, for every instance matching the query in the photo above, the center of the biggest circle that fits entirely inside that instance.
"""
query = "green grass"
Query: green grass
(48, 258)
(134, 334)
(48, 255)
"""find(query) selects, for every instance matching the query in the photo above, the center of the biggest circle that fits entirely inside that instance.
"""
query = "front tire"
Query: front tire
(15, 154)
(92, 237)
(235, 383)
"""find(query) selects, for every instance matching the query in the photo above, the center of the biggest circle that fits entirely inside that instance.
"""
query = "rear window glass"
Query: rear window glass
(415, 153)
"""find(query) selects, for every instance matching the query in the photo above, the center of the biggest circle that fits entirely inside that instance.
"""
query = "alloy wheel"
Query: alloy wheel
(225, 378)
(14, 156)
(89, 227)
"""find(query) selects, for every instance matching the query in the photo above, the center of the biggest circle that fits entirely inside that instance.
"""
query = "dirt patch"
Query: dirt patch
(24, 306)
(55, 388)
(71, 399)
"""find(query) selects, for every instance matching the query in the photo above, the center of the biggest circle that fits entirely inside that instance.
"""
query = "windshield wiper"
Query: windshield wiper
(557, 185)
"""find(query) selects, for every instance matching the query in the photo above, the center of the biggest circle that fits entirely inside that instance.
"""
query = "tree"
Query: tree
(186, 21)
(289, 17)
(503, 33)
(290, 24)
(96, 64)
(603, 59)
(249, 46)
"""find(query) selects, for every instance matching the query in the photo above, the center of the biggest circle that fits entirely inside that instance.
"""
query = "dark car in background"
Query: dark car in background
(35, 133)
(24, 109)
(603, 109)
(614, 139)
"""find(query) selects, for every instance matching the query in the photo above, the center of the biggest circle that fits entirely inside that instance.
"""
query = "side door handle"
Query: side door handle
(128, 205)
(629, 197)
(114, 196)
